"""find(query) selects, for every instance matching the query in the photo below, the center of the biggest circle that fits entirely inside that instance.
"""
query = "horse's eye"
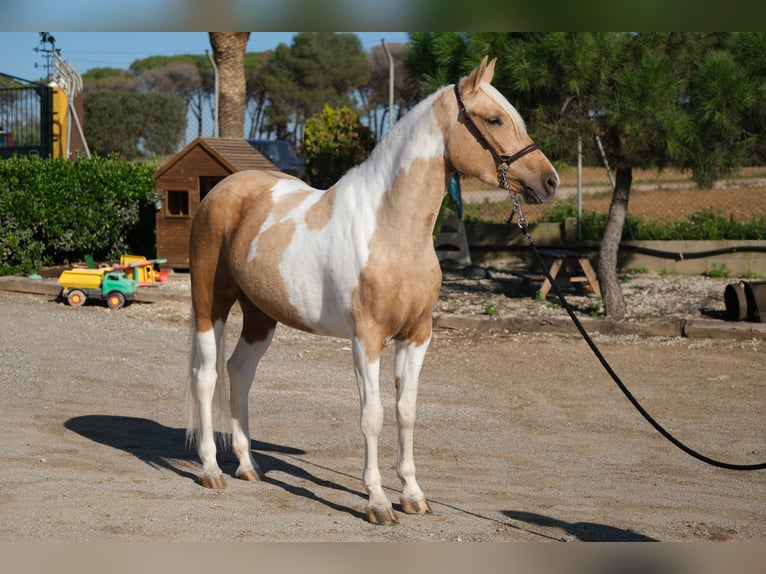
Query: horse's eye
(494, 121)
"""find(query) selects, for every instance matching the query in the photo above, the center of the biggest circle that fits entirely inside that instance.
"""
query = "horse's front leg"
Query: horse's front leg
(408, 361)
(367, 366)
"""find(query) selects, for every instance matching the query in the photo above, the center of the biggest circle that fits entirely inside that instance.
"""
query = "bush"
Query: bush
(701, 225)
(592, 223)
(333, 142)
(53, 210)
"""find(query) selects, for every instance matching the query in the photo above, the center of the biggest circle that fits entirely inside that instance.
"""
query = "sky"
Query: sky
(86, 50)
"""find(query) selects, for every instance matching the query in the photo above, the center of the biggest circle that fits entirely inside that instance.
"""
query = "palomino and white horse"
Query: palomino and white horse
(355, 261)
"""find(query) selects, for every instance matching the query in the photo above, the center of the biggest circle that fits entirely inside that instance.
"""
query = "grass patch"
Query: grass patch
(717, 271)
(490, 309)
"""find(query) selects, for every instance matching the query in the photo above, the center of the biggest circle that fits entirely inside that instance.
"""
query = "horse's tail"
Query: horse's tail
(221, 412)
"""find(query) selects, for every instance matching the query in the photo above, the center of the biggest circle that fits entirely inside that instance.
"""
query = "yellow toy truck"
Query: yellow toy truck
(105, 284)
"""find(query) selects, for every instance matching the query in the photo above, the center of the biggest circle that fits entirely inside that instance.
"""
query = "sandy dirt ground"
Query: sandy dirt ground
(520, 436)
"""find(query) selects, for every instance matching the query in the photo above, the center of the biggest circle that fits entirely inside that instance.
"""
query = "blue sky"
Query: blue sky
(86, 50)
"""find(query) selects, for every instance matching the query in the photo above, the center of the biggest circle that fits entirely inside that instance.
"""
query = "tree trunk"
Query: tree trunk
(229, 55)
(611, 290)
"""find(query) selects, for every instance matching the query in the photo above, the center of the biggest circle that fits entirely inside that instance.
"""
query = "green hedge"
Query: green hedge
(705, 224)
(55, 210)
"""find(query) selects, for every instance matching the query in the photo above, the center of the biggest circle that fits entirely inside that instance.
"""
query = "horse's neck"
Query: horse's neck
(414, 199)
(405, 177)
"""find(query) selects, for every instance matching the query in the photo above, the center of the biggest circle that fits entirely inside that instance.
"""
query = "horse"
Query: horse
(355, 261)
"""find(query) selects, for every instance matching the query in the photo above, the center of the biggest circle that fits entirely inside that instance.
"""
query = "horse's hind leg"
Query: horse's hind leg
(213, 293)
(204, 376)
(408, 361)
(257, 334)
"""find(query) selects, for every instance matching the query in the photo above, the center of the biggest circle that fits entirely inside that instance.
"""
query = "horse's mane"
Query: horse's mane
(391, 152)
(399, 146)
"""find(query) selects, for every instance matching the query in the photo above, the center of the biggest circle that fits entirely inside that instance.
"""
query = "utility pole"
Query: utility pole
(48, 52)
(390, 85)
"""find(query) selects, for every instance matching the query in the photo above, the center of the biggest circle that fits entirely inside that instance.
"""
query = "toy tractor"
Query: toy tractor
(142, 270)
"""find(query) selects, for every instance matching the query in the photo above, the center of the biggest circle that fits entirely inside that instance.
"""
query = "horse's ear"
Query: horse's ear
(489, 71)
(483, 72)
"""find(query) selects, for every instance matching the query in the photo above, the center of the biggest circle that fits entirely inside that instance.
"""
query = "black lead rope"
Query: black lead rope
(524, 226)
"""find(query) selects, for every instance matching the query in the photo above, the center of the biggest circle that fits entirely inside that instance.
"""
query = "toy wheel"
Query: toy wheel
(76, 298)
(115, 300)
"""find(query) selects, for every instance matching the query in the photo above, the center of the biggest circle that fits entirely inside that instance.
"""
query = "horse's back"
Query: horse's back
(235, 196)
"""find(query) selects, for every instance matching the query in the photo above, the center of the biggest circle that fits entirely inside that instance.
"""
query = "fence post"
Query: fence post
(46, 120)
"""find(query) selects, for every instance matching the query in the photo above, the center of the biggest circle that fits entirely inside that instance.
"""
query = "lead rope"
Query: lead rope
(524, 226)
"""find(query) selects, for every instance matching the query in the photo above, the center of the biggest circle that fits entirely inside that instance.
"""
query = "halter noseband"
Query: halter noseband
(502, 161)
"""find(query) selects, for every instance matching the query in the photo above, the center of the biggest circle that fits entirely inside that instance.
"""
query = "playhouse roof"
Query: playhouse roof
(234, 154)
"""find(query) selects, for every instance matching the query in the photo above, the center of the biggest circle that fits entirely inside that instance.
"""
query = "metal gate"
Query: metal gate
(26, 121)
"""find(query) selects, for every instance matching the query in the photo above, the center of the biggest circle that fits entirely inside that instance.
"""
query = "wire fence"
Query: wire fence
(666, 196)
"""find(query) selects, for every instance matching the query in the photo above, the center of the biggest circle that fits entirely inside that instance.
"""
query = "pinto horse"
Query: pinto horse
(355, 261)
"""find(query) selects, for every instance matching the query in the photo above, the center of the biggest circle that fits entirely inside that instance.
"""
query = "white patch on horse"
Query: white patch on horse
(282, 190)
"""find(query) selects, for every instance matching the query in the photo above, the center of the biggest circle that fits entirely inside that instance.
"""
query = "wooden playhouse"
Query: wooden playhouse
(185, 179)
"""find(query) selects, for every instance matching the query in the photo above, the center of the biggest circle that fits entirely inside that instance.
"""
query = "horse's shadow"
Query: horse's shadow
(160, 446)
(582, 531)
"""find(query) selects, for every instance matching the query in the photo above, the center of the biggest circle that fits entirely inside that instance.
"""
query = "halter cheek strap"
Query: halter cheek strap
(502, 161)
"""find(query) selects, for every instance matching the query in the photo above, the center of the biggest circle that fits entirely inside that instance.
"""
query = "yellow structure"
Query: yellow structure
(60, 121)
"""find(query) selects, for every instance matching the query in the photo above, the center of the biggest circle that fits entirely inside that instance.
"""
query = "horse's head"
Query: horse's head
(487, 139)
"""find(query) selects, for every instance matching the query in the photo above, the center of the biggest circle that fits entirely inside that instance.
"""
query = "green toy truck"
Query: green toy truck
(105, 284)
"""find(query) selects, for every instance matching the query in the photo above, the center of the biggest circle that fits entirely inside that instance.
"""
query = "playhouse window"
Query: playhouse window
(178, 202)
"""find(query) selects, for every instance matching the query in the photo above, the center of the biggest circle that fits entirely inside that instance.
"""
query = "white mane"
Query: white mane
(388, 156)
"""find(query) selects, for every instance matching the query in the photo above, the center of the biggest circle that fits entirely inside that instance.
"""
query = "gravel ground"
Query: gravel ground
(520, 435)
(474, 291)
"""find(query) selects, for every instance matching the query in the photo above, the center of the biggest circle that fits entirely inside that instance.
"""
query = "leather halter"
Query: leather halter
(502, 161)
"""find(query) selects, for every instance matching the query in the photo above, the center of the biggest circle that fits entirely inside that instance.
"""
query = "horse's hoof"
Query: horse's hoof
(382, 516)
(415, 506)
(251, 475)
(213, 481)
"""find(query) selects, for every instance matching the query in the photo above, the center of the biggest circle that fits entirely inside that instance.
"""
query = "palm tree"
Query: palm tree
(229, 55)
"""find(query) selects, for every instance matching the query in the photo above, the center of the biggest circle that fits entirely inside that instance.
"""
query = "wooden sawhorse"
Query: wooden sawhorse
(564, 266)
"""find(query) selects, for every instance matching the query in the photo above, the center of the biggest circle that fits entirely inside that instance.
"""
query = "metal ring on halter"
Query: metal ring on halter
(522, 222)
